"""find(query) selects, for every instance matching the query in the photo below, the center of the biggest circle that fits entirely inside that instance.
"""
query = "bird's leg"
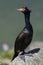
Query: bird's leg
(23, 52)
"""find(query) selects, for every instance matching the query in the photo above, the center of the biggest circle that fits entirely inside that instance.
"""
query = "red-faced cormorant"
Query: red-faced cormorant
(25, 36)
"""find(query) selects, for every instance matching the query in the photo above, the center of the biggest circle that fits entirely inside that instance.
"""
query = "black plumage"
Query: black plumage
(25, 36)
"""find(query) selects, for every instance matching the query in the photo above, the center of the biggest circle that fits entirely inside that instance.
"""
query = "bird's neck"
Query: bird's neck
(27, 21)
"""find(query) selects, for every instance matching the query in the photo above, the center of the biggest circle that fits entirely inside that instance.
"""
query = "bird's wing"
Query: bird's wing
(20, 37)
(22, 40)
(23, 34)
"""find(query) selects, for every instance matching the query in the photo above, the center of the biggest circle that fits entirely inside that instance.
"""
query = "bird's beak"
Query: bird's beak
(21, 9)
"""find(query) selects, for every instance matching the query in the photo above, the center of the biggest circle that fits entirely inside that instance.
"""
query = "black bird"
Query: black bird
(25, 36)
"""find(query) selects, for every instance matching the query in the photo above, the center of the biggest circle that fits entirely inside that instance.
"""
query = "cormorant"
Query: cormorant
(25, 36)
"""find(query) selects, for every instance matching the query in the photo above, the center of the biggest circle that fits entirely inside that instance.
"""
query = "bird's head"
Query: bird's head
(24, 10)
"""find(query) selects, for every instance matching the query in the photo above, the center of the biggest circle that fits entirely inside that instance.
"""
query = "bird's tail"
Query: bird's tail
(14, 56)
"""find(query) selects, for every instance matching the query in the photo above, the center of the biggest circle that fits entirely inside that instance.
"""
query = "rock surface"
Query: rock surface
(29, 59)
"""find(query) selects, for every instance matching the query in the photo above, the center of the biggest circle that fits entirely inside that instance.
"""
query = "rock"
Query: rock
(29, 58)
